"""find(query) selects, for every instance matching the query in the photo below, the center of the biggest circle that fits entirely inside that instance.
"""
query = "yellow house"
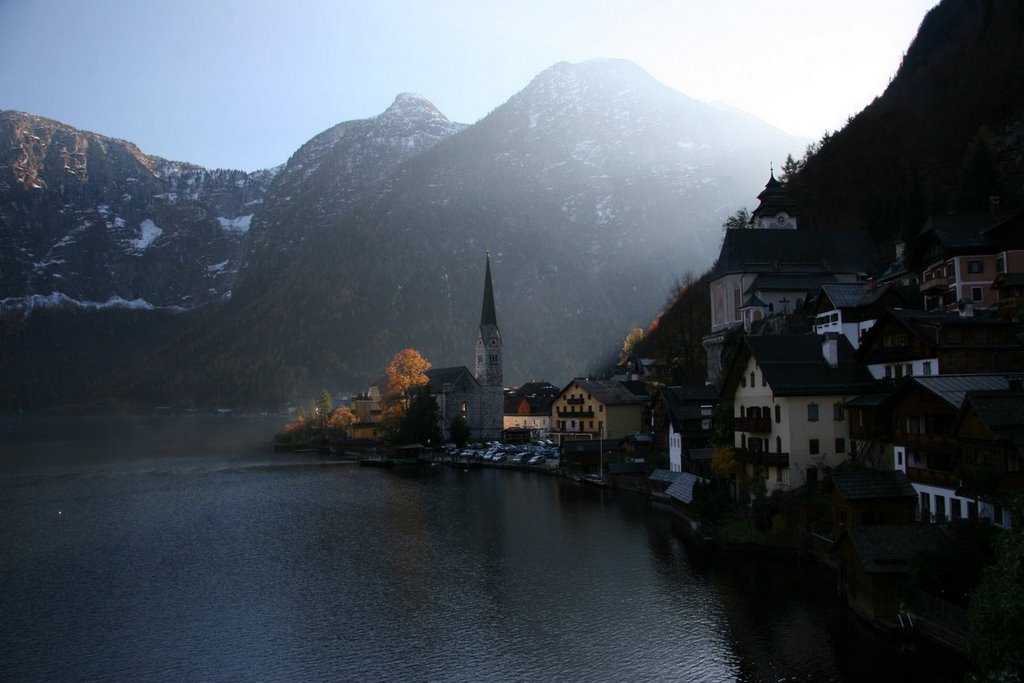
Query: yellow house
(788, 393)
(597, 408)
(367, 409)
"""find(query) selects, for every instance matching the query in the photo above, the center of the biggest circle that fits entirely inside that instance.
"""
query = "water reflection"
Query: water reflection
(186, 549)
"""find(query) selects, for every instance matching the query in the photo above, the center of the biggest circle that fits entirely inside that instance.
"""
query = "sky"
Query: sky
(243, 83)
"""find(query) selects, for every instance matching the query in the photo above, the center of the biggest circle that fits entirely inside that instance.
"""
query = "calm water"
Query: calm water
(184, 549)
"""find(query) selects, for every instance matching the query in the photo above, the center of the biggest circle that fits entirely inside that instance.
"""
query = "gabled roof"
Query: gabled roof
(439, 378)
(980, 233)
(890, 549)
(954, 388)
(926, 325)
(793, 365)
(684, 403)
(855, 294)
(795, 251)
(607, 391)
(1002, 413)
(872, 484)
(682, 488)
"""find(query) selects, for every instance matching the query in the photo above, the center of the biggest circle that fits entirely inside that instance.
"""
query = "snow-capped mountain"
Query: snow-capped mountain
(90, 220)
(594, 188)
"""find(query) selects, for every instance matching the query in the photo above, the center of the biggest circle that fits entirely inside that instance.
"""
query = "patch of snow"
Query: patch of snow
(216, 268)
(150, 232)
(61, 300)
(236, 224)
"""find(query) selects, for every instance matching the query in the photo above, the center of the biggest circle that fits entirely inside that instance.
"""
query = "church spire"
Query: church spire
(487, 313)
(488, 338)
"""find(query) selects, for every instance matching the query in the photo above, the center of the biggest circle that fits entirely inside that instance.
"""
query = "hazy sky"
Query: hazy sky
(243, 83)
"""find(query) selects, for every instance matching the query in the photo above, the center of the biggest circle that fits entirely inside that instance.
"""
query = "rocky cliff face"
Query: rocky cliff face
(90, 220)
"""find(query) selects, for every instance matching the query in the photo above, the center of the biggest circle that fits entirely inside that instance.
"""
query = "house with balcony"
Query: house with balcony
(959, 257)
(597, 409)
(683, 418)
(788, 394)
(953, 457)
(852, 308)
(906, 342)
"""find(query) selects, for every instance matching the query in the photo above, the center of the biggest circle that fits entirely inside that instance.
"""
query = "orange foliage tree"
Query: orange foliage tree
(341, 419)
(406, 371)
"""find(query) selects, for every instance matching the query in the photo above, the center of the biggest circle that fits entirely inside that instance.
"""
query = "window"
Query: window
(899, 458)
(813, 448)
(778, 444)
(926, 508)
(927, 367)
(976, 294)
(778, 413)
(1001, 264)
(812, 412)
(764, 382)
(837, 411)
(743, 381)
(778, 475)
(751, 379)
(908, 370)
(888, 371)
(975, 266)
(840, 445)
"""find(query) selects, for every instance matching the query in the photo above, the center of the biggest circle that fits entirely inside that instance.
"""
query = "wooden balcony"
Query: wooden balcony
(946, 480)
(762, 458)
(575, 401)
(578, 414)
(753, 425)
(936, 285)
(927, 441)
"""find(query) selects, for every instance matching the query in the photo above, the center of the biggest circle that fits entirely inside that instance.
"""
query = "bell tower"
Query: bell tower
(488, 338)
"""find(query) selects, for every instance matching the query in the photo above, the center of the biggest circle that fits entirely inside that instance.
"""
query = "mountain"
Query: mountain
(594, 188)
(90, 220)
(946, 134)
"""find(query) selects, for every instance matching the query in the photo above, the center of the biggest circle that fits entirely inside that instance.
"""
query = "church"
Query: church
(478, 397)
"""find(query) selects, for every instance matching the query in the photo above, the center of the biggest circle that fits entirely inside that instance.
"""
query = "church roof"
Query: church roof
(795, 251)
(774, 200)
(439, 378)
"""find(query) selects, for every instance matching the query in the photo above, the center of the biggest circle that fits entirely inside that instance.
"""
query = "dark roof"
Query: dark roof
(795, 251)
(664, 475)
(1002, 413)
(608, 391)
(439, 378)
(872, 484)
(790, 282)
(682, 488)
(793, 365)
(926, 325)
(684, 403)
(774, 199)
(890, 549)
(853, 294)
(954, 388)
(980, 233)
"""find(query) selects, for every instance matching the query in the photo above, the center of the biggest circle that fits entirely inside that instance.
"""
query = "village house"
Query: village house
(959, 257)
(596, 409)
(852, 308)
(683, 419)
(862, 497)
(906, 342)
(788, 394)
(528, 409)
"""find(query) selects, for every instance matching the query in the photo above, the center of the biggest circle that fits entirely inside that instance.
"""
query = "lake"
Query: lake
(184, 548)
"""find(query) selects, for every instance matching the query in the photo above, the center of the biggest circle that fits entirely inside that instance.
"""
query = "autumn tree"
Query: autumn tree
(632, 339)
(406, 371)
(341, 419)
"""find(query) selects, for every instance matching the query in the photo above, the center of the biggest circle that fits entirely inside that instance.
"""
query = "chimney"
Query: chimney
(993, 204)
(900, 248)
(830, 348)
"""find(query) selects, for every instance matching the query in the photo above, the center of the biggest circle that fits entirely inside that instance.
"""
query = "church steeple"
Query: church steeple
(488, 338)
(776, 208)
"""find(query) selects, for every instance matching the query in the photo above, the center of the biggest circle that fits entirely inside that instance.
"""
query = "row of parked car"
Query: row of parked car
(534, 453)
